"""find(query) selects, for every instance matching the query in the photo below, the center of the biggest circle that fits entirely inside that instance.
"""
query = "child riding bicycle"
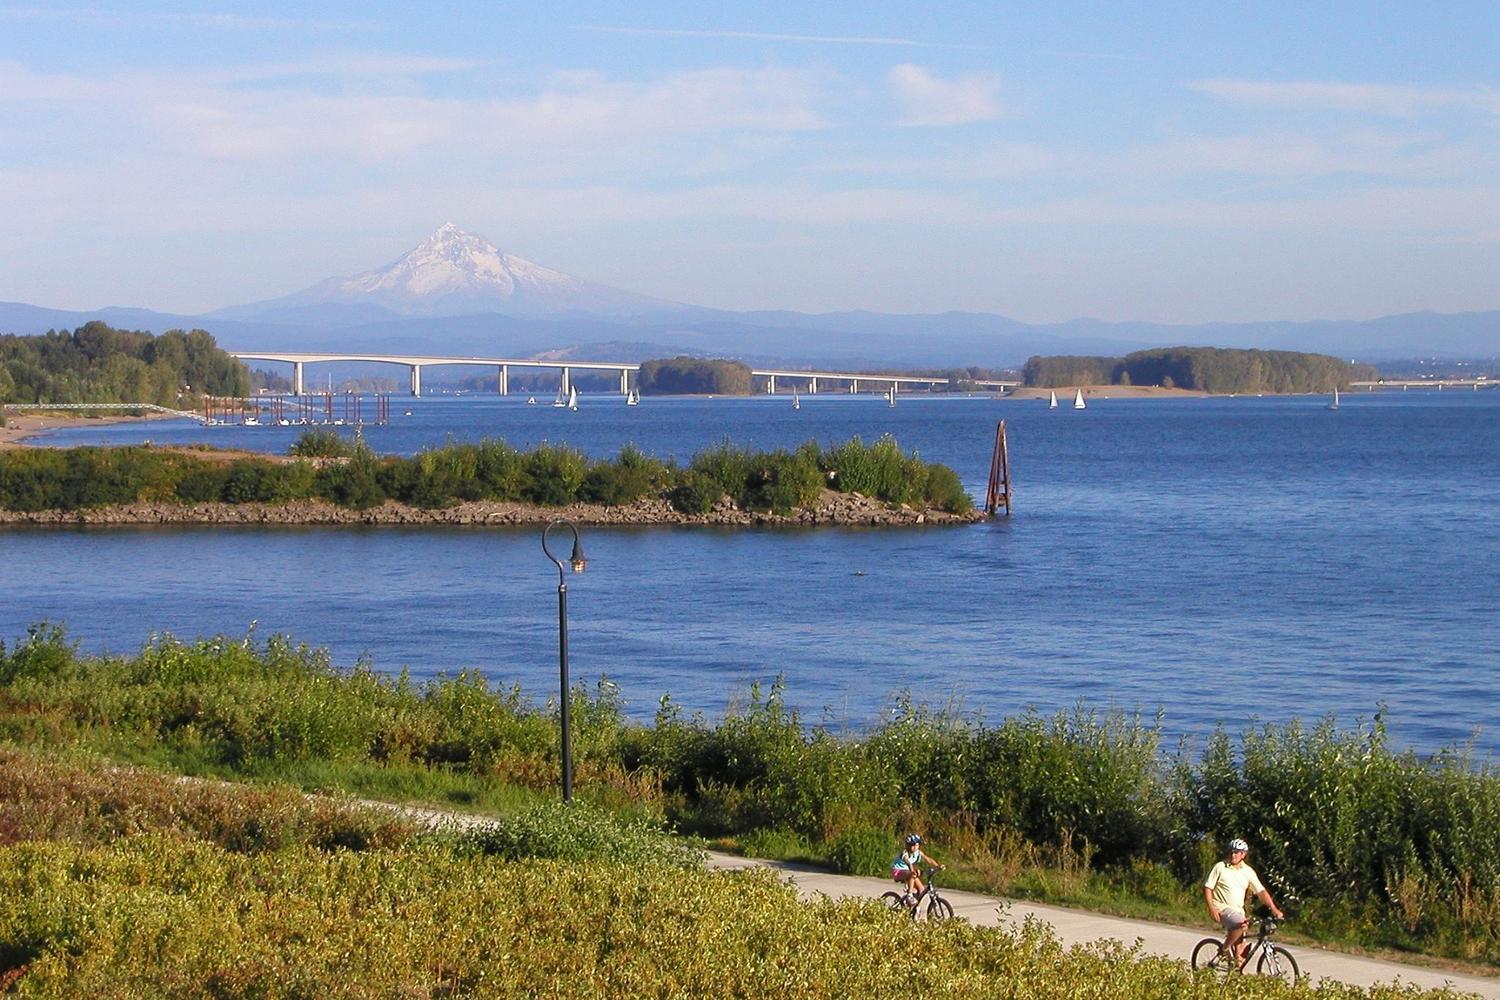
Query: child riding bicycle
(1224, 891)
(904, 869)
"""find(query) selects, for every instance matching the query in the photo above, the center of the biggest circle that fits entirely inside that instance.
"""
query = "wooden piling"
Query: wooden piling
(998, 494)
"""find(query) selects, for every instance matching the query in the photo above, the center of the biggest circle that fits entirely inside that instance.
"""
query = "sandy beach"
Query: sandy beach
(20, 426)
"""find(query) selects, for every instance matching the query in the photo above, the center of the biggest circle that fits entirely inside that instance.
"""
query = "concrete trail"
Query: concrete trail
(1080, 927)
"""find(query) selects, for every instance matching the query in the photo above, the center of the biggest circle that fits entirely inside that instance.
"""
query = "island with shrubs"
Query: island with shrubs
(327, 479)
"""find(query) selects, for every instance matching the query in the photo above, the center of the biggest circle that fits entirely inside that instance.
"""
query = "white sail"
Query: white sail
(1052, 401)
(562, 397)
(1078, 399)
(632, 398)
(572, 398)
(796, 403)
(890, 395)
(1335, 404)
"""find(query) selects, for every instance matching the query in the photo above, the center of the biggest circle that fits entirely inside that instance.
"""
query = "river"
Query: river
(1223, 561)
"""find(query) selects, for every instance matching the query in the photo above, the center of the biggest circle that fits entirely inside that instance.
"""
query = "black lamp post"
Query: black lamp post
(577, 562)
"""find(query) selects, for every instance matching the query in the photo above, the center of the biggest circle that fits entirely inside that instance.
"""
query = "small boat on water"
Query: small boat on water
(530, 400)
(1078, 399)
(562, 397)
(572, 399)
(1334, 404)
(796, 403)
(1052, 400)
(633, 398)
(890, 395)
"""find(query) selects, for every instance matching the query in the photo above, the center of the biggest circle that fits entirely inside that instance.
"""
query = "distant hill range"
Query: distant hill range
(456, 293)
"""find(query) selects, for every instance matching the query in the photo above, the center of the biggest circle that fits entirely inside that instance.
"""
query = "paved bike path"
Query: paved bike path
(1079, 927)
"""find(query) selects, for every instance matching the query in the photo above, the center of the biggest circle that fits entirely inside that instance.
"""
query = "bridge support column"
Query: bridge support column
(624, 381)
(770, 385)
(416, 380)
(296, 378)
(812, 386)
(566, 382)
(854, 387)
(502, 380)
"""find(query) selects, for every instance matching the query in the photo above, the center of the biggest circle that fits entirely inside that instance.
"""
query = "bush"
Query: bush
(781, 481)
(352, 483)
(862, 850)
(319, 442)
(696, 493)
(553, 475)
(580, 831)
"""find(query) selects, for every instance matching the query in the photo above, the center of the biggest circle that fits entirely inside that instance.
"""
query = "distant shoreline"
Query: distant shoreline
(20, 428)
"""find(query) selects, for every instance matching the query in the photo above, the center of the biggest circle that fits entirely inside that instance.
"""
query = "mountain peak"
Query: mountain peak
(456, 272)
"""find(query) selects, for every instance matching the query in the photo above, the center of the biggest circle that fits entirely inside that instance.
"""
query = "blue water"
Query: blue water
(1224, 561)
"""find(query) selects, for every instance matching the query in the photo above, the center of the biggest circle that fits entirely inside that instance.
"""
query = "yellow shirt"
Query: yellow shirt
(1229, 883)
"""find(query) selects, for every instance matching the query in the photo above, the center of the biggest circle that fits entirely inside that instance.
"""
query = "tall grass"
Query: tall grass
(1361, 841)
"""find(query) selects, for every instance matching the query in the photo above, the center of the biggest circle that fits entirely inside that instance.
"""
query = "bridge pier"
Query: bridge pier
(624, 381)
(854, 387)
(502, 380)
(566, 383)
(770, 385)
(296, 378)
(812, 386)
(416, 380)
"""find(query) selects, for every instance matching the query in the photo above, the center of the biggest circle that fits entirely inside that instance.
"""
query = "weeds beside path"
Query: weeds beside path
(1073, 927)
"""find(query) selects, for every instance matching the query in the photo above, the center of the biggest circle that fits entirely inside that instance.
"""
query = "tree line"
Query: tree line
(98, 364)
(1205, 369)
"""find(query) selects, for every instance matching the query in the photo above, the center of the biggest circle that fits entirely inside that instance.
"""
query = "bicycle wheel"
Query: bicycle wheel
(894, 901)
(939, 909)
(1277, 961)
(1206, 956)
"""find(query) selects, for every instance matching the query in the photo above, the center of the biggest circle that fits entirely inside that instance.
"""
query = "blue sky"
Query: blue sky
(1178, 163)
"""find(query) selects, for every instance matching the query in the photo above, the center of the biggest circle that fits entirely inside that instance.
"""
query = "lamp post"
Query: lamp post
(577, 562)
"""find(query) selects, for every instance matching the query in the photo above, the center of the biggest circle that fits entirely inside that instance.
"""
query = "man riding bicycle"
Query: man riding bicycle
(1224, 891)
(904, 869)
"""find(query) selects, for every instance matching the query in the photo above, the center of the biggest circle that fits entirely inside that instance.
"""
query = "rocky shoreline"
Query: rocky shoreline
(833, 508)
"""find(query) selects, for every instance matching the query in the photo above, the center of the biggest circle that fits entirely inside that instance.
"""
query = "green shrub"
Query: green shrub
(580, 831)
(319, 442)
(203, 484)
(780, 481)
(553, 475)
(352, 483)
(862, 850)
(695, 493)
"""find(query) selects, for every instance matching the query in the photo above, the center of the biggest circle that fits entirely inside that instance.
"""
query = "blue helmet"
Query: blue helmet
(913, 839)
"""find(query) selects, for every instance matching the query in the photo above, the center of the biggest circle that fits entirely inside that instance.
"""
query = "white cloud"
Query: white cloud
(927, 100)
(1367, 98)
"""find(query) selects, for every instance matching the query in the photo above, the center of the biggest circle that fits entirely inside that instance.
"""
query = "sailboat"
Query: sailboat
(796, 403)
(1334, 404)
(633, 398)
(562, 397)
(890, 395)
(1077, 399)
(572, 398)
(530, 400)
(1052, 400)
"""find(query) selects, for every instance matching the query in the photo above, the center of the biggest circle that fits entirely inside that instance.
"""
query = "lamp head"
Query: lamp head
(576, 560)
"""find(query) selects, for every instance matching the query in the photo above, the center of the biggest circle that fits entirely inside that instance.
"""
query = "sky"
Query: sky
(1168, 162)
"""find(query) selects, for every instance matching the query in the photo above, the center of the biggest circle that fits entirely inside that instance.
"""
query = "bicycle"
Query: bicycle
(1275, 961)
(938, 908)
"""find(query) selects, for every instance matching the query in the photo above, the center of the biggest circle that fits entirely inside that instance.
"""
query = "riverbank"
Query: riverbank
(833, 508)
(1065, 393)
(21, 427)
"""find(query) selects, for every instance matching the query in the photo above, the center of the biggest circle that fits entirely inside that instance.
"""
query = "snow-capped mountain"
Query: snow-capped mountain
(453, 272)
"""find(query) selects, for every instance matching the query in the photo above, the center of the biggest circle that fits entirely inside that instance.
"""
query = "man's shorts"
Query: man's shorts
(1230, 919)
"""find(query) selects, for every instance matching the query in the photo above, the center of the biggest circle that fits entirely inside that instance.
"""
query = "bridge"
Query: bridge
(503, 366)
(1482, 382)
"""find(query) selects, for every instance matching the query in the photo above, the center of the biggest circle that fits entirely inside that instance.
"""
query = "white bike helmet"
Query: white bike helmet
(1238, 845)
